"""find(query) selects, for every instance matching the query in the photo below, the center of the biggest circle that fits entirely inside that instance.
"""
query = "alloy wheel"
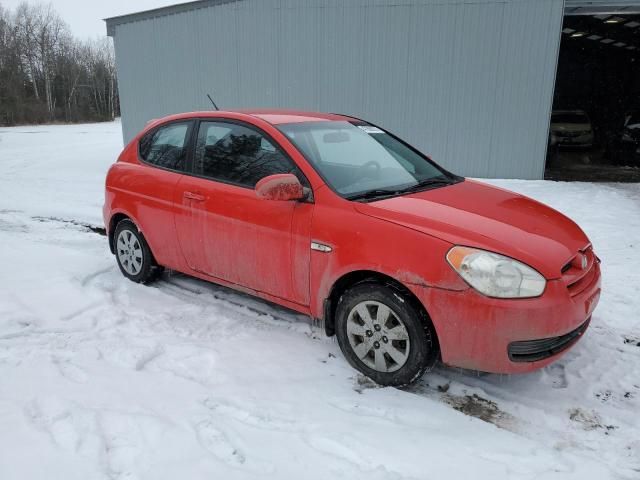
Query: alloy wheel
(378, 336)
(129, 252)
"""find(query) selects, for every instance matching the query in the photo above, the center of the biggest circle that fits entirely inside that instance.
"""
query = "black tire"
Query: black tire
(423, 350)
(149, 270)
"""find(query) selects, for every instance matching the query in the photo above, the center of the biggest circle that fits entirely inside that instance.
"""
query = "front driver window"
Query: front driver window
(236, 154)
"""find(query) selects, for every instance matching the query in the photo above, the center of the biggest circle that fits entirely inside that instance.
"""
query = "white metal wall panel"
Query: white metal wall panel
(468, 81)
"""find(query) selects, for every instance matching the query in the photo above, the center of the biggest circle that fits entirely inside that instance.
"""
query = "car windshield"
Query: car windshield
(355, 159)
(570, 118)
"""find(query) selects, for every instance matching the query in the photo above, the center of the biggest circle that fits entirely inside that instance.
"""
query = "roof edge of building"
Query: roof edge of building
(112, 22)
(572, 7)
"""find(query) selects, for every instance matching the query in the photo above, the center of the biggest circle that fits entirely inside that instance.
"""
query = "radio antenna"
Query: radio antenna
(212, 102)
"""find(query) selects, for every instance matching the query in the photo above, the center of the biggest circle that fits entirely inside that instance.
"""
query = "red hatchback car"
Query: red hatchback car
(339, 219)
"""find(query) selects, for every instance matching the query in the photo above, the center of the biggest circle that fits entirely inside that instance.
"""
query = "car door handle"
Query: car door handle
(194, 196)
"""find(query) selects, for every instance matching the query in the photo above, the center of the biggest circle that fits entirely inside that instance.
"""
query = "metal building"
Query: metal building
(469, 82)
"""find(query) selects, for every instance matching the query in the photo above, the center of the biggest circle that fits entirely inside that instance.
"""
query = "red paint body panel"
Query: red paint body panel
(472, 213)
(475, 331)
(233, 235)
(226, 234)
(358, 244)
(146, 195)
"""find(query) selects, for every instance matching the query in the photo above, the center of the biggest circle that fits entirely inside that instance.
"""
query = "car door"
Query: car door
(226, 231)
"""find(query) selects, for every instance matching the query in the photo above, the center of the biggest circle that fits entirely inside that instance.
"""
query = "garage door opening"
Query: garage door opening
(595, 124)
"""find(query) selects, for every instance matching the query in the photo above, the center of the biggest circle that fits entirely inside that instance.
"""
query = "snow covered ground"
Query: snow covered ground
(101, 378)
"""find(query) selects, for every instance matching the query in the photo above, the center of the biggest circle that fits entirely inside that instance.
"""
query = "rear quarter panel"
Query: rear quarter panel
(145, 195)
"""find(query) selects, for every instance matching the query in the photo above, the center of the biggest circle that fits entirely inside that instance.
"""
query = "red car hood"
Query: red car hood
(479, 215)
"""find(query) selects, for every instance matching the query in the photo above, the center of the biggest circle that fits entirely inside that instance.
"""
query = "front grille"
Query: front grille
(574, 276)
(579, 285)
(534, 350)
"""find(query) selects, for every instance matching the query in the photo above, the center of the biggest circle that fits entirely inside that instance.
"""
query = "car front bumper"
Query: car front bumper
(487, 334)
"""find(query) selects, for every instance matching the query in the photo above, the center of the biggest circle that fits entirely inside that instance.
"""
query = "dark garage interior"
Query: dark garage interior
(595, 124)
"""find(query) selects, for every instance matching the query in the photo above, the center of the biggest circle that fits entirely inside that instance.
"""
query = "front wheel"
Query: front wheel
(383, 334)
(134, 257)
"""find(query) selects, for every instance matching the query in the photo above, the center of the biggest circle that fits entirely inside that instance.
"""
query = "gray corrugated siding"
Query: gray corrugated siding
(468, 81)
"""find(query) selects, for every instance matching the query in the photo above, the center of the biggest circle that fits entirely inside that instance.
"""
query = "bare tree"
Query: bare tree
(25, 42)
(48, 75)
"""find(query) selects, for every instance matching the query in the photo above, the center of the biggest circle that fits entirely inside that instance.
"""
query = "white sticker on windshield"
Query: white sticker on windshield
(370, 129)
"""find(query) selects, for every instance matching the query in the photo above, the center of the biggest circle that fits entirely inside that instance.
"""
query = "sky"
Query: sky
(84, 17)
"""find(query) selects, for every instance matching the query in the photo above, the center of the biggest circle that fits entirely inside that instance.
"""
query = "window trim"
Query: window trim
(276, 144)
(188, 138)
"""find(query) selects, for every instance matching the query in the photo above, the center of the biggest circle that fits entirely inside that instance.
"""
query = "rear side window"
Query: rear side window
(166, 147)
(236, 154)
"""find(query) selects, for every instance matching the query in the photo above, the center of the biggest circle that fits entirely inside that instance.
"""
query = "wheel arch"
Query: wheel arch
(116, 218)
(350, 279)
(111, 228)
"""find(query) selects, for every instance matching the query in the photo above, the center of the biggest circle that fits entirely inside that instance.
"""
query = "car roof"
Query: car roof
(279, 116)
(273, 116)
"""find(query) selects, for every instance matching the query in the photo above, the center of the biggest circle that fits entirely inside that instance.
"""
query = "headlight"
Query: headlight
(495, 275)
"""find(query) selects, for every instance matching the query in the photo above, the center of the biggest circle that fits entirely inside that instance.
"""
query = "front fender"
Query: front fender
(362, 243)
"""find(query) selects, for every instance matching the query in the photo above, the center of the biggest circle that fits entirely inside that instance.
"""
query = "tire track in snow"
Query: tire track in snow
(223, 446)
(83, 225)
(191, 288)
(69, 370)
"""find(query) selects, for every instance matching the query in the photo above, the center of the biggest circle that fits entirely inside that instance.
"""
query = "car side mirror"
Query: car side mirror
(282, 186)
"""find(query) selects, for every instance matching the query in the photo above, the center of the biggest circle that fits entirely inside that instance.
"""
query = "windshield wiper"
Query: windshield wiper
(378, 193)
(432, 182)
(382, 193)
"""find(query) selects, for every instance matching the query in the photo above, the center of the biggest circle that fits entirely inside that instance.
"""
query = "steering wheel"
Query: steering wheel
(370, 165)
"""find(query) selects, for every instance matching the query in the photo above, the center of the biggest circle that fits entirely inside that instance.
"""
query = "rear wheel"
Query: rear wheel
(133, 254)
(383, 334)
